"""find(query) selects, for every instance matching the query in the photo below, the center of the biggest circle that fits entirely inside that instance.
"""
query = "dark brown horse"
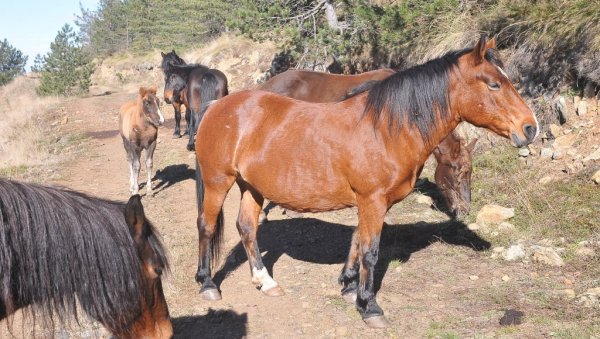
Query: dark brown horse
(453, 173)
(61, 251)
(138, 125)
(175, 93)
(203, 85)
(365, 151)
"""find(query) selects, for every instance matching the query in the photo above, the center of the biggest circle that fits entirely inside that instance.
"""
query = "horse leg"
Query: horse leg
(349, 276)
(188, 115)
(210, 226)
(371, 212)
(135, 170)
(247, 225)
(177, 108)
(149, 163)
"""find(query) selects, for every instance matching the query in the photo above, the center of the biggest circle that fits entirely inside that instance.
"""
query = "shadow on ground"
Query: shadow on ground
(316, 241)
(216, 324)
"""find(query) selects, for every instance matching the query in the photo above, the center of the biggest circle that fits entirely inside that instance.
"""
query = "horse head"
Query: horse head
(174, 85)
(150, 106)
(453, 173)
(168, 59)
(485, 97)
(154, 262)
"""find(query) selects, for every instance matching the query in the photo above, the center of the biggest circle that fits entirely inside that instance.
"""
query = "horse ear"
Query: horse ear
(490, 44)
(143, 91)
(471, 146)
(479, 50)
(163, 54)
(134, 214)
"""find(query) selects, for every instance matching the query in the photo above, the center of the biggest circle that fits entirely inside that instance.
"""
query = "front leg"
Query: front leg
(371, 211)
(188, 116)
(149, 163)
(177, 132)
(349, 276)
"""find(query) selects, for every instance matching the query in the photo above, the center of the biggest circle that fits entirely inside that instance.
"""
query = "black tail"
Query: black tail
(217, 239)
(207, 89)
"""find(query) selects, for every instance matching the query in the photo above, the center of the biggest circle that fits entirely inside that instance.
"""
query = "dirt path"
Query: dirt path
(435, 279)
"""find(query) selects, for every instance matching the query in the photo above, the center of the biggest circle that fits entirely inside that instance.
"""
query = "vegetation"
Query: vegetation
(66, 69)
(12, 62)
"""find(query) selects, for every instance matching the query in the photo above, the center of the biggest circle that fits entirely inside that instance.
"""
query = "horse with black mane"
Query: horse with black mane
(175, 94)
(61, 249)
(203, 85)
(454, 159)
(365, 152)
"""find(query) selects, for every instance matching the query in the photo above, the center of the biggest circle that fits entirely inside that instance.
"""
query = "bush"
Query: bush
(66, 69)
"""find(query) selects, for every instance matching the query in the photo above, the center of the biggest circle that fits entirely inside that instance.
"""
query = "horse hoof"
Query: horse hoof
(378, 321)
(211, 294)
(350, 297)
(176, 136)
(274, 292)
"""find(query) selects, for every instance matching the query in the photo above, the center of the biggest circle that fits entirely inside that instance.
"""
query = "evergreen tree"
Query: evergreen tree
(66, 68)
(12, 62)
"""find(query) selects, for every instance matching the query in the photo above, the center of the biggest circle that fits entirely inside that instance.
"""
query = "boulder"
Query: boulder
(596, 177)
(582, 108)
(524, 152)
(555, 130)
(564, 142)
(514, 253)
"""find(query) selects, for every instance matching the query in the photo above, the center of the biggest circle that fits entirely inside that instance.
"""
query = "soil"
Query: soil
(435, 278)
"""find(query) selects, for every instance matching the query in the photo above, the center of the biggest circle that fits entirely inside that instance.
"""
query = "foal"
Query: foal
(138, 125)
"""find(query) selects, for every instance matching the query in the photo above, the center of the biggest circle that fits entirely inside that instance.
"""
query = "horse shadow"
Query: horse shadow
(215, 324)
(432, 190)
(171, 175)
(316, 241)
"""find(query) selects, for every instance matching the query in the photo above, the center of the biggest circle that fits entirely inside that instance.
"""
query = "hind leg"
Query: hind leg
(134, 167)
(210, 225)
(149, 165)
(349, 276)
(247, 225)
(177, 132)
(188, 115)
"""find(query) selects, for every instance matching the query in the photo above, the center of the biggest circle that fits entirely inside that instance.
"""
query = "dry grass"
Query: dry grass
(22, 126)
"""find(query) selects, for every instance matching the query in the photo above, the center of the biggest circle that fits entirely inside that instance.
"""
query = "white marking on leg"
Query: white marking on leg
(263, 279)
(161, 117)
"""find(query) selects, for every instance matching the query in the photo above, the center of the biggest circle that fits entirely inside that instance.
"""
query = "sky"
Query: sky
(30, 26)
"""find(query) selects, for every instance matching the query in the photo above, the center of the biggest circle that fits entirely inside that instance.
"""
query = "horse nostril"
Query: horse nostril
(158, 271)
(530, 131)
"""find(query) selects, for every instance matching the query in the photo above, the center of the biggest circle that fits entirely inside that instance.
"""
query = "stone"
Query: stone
(473, 277)
(64, 121)
(506, 226)
(546, 152)
(593, 156)
(557, 155)
(514, 253)
(546, 255)
(596, 177)
(498, 249)
(564, 142)
(585, 252)
(512, 317)
(582, 108)
(555, 130)
(524, 152)
(591, 298)
(505, 278)
(576, 100)
(424, 199)
(562, 109)
(566, 293)
(545, 180)
(494, 214)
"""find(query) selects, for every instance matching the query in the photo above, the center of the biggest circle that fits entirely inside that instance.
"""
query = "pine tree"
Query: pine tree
(66, 68)
(12, 62)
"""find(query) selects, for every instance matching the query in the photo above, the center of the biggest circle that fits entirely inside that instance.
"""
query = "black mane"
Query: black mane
(416, 94)
(59, 247)
(173, 64)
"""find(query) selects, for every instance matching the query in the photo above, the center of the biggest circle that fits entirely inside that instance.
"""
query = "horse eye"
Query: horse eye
(494, 86)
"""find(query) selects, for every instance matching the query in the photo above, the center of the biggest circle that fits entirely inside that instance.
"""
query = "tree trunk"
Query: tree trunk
(330, 14)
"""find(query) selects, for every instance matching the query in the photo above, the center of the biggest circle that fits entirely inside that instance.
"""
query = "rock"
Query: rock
(505, 278)
(514, 253)
(596, 177)
(566, 293)
(582, 108)
(585, 252)
(473, 277)
(557, 155)
(591, 298)
(546, 255)
(506, 226)
(545, 180)
(562, 109)
(555, 130)
(498, 249)
(524, 152)
(494, 214)
(593, 156)
(424, 199)
(512, 317)
(64, 121)
(546, 152)
(565, 141)
(576, 100)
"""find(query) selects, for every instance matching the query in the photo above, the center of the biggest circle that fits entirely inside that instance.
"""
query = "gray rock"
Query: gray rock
(591, 298)
(524, 152)
(562, 110)
(546, 152)
(596, 177)
(582, 108)
(546, 255)
(514, 253)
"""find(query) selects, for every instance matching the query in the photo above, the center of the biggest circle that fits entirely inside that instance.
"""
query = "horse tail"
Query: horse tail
(365, 86)
(217, 239)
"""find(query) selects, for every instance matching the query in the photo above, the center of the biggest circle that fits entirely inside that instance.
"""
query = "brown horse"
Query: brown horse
(453, 173)
(138, 125)
(175, 93)
(364, 151)
(62, 251)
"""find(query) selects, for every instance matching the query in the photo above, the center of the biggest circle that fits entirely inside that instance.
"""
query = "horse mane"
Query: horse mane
(417, 94)
(59, 247)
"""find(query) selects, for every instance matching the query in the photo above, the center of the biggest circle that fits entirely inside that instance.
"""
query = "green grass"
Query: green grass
(14, 171)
